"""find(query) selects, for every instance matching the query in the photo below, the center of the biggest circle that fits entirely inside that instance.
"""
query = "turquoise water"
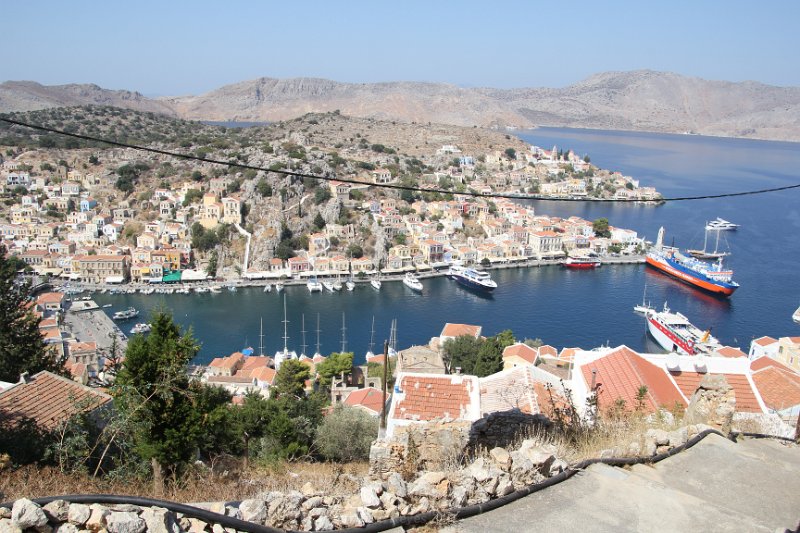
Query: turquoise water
(562, 307)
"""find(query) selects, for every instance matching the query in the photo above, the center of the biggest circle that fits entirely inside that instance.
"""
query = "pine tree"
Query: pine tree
(153, 393)
(22, 348)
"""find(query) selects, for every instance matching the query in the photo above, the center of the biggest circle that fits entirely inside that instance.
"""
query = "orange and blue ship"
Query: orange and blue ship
(711, 277)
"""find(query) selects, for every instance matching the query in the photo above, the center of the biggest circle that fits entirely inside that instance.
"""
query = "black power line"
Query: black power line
(509, 196)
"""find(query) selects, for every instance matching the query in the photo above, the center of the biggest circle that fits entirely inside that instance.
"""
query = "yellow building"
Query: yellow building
(789, 352)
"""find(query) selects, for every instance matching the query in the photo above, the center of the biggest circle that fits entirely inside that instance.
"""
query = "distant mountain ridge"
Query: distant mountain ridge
(640, 100)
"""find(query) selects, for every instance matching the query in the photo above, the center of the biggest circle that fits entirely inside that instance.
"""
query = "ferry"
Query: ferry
(412, 282)
(710, 277)
(313, 285)
(582, 262)
(126, 314)
(674, 333)
(721, 224)
(140, 328)
(472, 278)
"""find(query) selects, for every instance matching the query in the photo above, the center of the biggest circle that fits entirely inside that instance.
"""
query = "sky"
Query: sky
(177, 47)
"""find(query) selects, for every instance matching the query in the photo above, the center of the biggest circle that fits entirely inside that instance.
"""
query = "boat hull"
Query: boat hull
(470, 284)
(666, 338)
(582, 266)
(719, 288)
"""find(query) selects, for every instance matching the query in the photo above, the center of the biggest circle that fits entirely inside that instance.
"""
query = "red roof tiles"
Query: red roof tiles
(523, 351)
(369, 398)
(727, 351)
(457, 330)
(49, 400)
(619, 376)
(429, 397)
(746, 401)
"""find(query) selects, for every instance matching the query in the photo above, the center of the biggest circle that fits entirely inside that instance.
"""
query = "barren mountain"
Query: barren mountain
(639, 100)
(30, 96)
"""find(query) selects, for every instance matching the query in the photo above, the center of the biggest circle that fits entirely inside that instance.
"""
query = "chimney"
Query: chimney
(458, 370)
(25, 377)
(594, 379)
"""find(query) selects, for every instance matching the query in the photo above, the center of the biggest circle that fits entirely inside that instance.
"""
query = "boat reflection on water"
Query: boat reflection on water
(667, 286)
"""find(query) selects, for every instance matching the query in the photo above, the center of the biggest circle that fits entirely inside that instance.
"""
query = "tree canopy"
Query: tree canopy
(479, 357)
(290, 379)
(336, 364)
(22, 348)
(600, 227)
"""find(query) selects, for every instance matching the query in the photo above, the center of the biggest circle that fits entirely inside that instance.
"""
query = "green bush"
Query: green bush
(346, 434)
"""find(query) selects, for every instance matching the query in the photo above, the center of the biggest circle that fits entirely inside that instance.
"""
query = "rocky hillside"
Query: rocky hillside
(30, 96)
(638, 100)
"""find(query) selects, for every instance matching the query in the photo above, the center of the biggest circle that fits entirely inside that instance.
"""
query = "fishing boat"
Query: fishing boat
(796, 315)
(674, 333)
(582, 263)
(721, 224)
(127, 314)
(705, 253)
(412, 282)
(141, 328)
(710, 277)
(472, 278)
(313, 285)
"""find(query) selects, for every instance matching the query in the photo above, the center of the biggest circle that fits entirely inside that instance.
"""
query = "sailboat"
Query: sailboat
(304, 345)
(376, 283)
(370, 353)
(350, 284)
(317, 353)
(645, 307)
(705, 253)
(344, 336)
(281, 356)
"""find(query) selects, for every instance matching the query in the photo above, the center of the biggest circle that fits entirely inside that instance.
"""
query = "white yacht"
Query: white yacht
(412, 282)
(313, 285)
(328, 285)
(351, 285)
(376, 284)
(721, 224)
(267, 288)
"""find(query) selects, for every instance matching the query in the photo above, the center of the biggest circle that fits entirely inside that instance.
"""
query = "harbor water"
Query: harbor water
(564, 308)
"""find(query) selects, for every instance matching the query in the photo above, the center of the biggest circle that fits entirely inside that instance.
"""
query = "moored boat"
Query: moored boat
(141, 328)
(279, 287)
(267, 288)
(710, 277)
(796, 315)
(328, 284)
(127, 314)
(350, 284)
(721, 224)
(708, 254)
(582, 262)
(412, 282)
(674, 333)
(313, 285)
(472, 278)
(376, 284)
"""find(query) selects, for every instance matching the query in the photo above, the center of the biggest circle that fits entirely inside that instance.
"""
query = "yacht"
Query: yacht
(140, 328)
(350, 284)
(279, 287)
(721, 224)
(126, 314)
(328, 284)
(337, 285)
(376, 284)
(314, 285)
(267, 288)
(472, 278)
(412, 282)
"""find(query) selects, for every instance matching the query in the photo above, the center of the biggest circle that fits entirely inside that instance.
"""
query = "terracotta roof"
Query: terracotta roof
(622, 372)
(521, 350)
(568, 354)
(727, 351)
(49, 400)
(765, 341)
(230, 379)
(431, 397)
(380, 358)
(746, 401)
(457, 330)
(369, 398)
(795, 340)
(265, 374)
(548, 350)
(517, 388)
(50, 298)
(79, 347)
(779, 387)
(764, 362)
(255, 361)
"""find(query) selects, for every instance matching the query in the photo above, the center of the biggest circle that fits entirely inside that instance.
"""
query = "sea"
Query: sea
(563, 308)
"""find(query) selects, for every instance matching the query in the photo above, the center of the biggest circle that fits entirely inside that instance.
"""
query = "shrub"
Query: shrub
(347, 434)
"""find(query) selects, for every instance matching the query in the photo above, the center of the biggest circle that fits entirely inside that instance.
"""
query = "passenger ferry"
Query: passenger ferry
(674, 333)
(472, 278)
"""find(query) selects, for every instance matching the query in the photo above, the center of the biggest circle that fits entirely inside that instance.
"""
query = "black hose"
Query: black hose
(401, 521)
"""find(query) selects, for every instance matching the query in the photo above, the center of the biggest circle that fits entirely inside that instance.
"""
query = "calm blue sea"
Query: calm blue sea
(562, 307)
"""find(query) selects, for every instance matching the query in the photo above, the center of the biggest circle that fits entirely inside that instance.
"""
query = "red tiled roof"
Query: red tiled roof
(622, 372)
(765, 362)
(548, 350)
(255, 361)
(727, 351)
(746, 401)
(368, 398)
(50, 298)
(49, 400)
(779, 386)
(521, 350)
(457, 330)
(517, 389)
(765, 341)
(265, 374)
(430, 397)
(568, 354)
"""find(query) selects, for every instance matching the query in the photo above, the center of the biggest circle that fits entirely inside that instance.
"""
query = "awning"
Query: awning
(115, 279)
(172, 277)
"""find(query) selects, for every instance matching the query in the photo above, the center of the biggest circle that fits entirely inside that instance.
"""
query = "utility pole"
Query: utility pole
(385, 372)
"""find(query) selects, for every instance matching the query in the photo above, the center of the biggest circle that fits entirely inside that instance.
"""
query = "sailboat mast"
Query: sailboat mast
(285, 328)
(318, 352)
(261, 339)
(372, 335)
(304, 345)
(344, 336)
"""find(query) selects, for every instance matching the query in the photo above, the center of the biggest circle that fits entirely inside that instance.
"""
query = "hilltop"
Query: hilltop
(640, 100)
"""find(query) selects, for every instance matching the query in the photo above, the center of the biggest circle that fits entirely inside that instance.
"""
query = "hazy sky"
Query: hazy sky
(171, 47)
